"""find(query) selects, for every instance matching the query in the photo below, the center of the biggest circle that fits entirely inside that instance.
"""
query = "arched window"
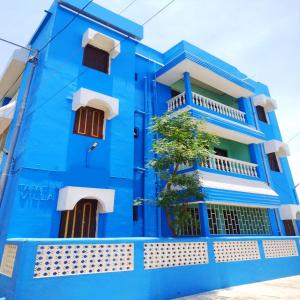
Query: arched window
(81, 221)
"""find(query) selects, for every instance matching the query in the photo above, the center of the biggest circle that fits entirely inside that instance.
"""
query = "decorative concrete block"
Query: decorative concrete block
(280, 248)
(77, 259)
(236, 251)
(166, 255)
(8, 260)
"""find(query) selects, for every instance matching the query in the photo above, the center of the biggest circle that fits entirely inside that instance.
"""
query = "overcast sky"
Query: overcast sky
(259, 37)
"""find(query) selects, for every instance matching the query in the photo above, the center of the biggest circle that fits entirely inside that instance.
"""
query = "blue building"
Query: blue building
(75, 111)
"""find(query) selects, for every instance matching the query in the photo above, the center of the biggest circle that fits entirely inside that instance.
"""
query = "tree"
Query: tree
(180, 141)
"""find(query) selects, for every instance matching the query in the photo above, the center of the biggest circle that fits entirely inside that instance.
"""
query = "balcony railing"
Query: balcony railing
(180, 100)
(176, 102)
(230, 165)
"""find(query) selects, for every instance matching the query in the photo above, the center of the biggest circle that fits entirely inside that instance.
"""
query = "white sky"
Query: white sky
(259, 37)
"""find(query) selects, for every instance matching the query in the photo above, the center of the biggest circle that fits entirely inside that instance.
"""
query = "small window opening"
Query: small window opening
(89, 122)
(136, 132)
(261, 113)
(273, 161)
(135, 212)
(96, 59)
(221, 152)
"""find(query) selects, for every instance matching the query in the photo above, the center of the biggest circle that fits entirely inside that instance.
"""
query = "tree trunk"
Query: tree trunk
(170, 221)
(168, 209)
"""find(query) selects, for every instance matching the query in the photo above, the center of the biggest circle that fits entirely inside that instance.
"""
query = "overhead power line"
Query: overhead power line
(44, 47)
(293, 137)
(15, 44)
(127, 6)
(66, 26)
(83, 72)
(158, 12)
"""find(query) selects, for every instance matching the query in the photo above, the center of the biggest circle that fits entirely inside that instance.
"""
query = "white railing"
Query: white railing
(218, 107)
(230, 165)
(176, 101)
(211, 104)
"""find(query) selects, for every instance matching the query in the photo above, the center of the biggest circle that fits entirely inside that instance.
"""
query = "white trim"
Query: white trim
(9, 79)
(6, 115)
(289, 212)
(232, 183)
(70, 195)
(85, 97)
(102, 41)
(229, 121)
(148, 58)
(204, 75)
(268, 103)
(274, 146)
(226, 133)
(98, 22)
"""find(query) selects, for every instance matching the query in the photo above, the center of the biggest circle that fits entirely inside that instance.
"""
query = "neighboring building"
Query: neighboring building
(77, 162)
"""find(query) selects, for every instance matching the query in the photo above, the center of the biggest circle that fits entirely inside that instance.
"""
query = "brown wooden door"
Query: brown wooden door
(289, 227)
(79, 222)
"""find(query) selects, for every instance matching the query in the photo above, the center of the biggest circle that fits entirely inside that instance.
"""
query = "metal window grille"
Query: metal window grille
(227, 219)
(192, 228)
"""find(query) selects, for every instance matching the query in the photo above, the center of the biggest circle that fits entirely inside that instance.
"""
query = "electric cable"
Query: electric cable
(293, 137)
(37, 51)
(126, 7)
(16, 44)
(86, 70)
(66, 26)
(158, 12)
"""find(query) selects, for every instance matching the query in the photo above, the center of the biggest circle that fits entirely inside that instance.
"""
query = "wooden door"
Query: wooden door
(79, 222)
(289, 227)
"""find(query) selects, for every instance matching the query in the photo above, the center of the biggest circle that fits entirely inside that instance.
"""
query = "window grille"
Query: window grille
(192, 227)
(228, 219)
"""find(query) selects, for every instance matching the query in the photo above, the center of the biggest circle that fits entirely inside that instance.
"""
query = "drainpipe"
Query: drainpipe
(9, 159)
(157, 179)
(145, 147)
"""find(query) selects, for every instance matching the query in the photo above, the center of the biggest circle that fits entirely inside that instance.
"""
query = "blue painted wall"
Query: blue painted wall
(162, 283)
(49, 156)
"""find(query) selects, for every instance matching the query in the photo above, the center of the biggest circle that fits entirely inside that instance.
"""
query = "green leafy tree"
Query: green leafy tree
(180, 141)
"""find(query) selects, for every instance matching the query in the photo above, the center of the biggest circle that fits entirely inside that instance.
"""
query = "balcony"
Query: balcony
(225, 164)
(230, 165)
(207, 103)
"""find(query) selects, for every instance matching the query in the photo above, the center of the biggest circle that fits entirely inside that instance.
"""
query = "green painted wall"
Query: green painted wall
(225, 99)
(235, 150)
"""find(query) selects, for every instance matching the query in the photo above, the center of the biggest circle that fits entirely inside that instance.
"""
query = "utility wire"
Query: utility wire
(19, 76)
(293, 137)
(126, 7)
(66, 26)
(83, 72)
(158, 12)
(77, 50)
(58, 33)
(15, 44)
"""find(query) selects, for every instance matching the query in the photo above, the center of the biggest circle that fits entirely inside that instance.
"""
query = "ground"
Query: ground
(283, 288)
